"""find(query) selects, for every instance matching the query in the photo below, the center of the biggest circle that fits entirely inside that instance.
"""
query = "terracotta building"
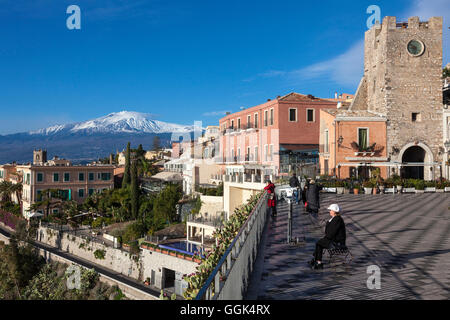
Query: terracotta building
(275, 137)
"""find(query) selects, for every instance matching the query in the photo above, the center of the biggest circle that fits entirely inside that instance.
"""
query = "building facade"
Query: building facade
(276, 137)
(72, 182)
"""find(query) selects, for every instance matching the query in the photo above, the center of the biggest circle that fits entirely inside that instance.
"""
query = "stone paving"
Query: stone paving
(407, 236)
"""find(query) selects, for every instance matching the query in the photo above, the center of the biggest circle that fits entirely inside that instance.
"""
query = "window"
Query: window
(91, 191)
(248, 154)
(80, 193)
(239, 123)
(91, 176)
(266, 152)
(81, 176)
(256, 120)
(310, 115)
(249, 121)
(55, 177)
(256, 153)
(38, 195)
(1, 173)
(65, 194)
(55, 211)
(232, 124)
(363, 138)
(40, 177)
(28, 178)
(271, 152)
(293, 115)
(271, 117)
(415, 117)
(239, 154)
(265, 118)
(325, 142)
(106, 176)
(66, 177)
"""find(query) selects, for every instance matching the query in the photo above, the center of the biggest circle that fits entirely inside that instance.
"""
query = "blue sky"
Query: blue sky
(179, 60)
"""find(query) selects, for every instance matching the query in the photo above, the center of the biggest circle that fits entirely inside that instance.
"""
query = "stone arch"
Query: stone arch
(428, 157)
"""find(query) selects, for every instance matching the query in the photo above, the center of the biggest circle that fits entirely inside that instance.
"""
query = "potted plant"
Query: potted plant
(340, 186)
(368, 186)
(397, 182)
(430, 186)
(356, 188)
(147, 281)
(420, 186)
(188, 257)
(172, 253)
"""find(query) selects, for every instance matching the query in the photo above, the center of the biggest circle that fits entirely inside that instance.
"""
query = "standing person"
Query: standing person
(293, 183)
(334, 235)
(271, 202)
(312, 197)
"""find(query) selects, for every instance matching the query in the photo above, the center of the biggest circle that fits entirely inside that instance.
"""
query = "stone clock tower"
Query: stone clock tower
(402, 81)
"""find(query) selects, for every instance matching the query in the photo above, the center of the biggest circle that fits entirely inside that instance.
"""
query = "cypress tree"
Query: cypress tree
(126, 175)
(134, 191)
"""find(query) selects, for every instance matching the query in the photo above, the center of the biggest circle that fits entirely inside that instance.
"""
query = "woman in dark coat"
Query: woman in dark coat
(271, 202)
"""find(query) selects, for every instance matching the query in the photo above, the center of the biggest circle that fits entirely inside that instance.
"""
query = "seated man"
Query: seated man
(334, 234)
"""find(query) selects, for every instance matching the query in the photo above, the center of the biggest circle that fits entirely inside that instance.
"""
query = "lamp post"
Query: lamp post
(447, 148)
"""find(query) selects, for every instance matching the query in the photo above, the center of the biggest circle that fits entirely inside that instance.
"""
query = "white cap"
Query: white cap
(334, 207)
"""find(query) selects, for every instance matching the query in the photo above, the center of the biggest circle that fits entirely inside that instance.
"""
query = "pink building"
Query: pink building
(277, 136)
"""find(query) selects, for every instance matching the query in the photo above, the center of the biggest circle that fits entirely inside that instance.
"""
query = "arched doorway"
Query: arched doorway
(414, 154)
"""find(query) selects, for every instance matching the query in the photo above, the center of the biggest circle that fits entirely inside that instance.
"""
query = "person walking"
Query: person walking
(312, 197)
(293, 183)
(335, 235)
(271, 202)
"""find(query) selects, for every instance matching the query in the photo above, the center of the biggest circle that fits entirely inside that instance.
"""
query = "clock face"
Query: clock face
(415, 47)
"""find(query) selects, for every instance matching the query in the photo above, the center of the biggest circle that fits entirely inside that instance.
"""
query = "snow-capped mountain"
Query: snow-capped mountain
(92, 139)
(118, 122)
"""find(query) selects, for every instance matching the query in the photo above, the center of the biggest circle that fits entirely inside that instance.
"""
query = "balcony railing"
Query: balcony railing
(213, 221)
(232, 274)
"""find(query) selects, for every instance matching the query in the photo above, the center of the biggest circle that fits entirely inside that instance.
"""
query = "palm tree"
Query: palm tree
(6, 189)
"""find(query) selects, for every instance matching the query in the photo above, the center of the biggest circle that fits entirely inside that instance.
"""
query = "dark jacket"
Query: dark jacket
(293, 182)
(335, 230)
(312, 196)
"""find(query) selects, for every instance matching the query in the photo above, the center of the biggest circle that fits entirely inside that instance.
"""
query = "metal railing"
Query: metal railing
(231, 275)
(214, 221)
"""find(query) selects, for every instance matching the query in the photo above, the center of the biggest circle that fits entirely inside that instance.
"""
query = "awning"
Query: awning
(299, 147)
(35, 215)
(168, 176)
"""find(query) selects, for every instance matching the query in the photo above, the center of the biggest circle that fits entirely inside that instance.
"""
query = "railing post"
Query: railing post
(217, 283)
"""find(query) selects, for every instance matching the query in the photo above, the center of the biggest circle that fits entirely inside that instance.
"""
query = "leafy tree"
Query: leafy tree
(446, 72)
(134, 191)
(165, 202)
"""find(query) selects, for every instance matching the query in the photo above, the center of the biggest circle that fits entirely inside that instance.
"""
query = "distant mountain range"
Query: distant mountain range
(89, 140)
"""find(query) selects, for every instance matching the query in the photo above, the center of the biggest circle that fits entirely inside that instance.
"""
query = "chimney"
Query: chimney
(339, 104)
(335, 95)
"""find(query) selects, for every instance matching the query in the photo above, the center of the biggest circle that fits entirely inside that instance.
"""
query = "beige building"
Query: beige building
(72, 181)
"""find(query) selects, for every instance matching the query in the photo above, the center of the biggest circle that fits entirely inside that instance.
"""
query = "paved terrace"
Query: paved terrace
(407, 236)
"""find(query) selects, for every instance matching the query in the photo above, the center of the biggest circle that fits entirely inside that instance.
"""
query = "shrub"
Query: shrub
(99, 254)
(419, 184)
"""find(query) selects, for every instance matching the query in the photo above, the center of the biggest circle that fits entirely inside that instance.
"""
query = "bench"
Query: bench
(339, 251)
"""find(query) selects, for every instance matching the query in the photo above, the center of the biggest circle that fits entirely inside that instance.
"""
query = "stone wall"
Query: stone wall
(115, 259)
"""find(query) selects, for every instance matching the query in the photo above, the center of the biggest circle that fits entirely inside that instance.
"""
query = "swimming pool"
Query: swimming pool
(182, 246)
